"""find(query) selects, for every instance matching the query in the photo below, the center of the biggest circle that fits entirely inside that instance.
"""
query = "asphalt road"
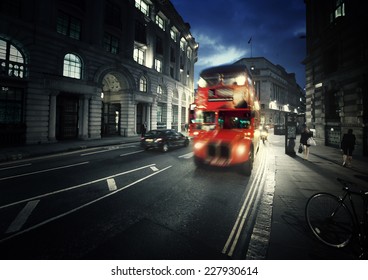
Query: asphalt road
(121, 202)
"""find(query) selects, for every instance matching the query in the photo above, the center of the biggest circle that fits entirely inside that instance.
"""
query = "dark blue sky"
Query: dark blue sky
(223, 28)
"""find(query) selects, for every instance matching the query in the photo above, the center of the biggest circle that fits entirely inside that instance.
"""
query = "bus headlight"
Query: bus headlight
(198, 145)
(241, 149)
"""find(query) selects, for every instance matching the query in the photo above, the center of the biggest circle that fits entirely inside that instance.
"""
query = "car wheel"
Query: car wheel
(165, 147)
(186, 143)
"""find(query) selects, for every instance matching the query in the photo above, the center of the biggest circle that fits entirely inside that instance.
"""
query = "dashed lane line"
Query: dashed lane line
(131, 153)
(22, 217)
(74, 187)
(82, 206)
(188, 155)
(111, 184)
(154, 168)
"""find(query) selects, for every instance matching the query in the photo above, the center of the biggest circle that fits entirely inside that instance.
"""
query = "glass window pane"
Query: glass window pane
(72, 66)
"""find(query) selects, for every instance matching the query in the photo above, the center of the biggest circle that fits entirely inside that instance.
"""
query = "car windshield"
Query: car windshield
(154, 133)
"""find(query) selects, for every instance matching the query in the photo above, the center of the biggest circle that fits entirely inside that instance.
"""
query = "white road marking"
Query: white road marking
(122, 155)
(75, 187)
(43, 171)
(243, 213)
(96, 152)
(111, 184)
(109, 149)
(82, 206)
(188, 155)
(22, 217)
(16, 166)
(154, 168)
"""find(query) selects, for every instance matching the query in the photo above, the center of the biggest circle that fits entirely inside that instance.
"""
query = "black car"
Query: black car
(163, 139)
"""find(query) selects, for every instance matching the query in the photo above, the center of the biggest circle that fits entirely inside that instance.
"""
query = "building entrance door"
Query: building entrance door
(111, 119)
(67, 107)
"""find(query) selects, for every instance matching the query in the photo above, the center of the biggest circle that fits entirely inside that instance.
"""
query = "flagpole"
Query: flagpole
(251, 46)
(251, 49)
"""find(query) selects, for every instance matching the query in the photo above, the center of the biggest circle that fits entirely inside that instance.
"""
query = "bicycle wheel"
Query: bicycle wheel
(329, 219)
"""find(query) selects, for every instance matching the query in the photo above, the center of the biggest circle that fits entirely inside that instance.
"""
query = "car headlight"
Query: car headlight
(157, 140)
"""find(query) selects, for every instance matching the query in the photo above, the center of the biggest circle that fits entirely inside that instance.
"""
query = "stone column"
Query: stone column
(84, 126)
(52, 117)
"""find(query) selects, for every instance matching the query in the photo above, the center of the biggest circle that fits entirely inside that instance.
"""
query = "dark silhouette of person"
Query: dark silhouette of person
(347, 146)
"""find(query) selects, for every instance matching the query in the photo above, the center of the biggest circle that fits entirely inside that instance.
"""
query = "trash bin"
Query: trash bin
(290, 134)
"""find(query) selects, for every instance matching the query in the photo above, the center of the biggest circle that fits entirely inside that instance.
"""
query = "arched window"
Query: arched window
(143, 84)
(72, 66)
(11, 60)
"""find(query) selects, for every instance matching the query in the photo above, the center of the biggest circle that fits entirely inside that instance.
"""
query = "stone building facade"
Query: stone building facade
(336, 71)
(277, 91)
(77, 69)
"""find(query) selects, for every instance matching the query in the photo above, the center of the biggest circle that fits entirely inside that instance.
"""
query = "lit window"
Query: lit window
(173, 35)
(160, 22)
(143, 84)
(68, 26)
(12, 60)
(182, 44)
(158, 65)
(159, 90)
(142, 6)
(139, 55)
(72, 66)
(189, 53)
(339, 10)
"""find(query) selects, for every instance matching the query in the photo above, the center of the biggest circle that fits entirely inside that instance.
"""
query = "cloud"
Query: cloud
(223, 27)
(212, 51)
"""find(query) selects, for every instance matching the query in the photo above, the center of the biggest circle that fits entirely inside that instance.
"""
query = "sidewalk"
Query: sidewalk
(359, 163)
(295, 180)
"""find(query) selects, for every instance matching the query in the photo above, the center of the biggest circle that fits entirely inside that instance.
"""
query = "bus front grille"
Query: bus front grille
(218, 150)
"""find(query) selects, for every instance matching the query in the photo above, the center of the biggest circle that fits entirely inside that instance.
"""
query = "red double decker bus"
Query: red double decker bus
(227, 118)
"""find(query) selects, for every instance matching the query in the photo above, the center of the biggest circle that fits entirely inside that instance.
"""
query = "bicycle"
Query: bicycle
(336, 223)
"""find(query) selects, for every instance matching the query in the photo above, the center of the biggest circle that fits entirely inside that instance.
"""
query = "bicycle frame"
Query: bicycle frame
(360, 225)
(336, 220)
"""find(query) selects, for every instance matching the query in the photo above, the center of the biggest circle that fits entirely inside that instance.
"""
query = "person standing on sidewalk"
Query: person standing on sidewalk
(305, 135)
(143, 129)
(347, 146)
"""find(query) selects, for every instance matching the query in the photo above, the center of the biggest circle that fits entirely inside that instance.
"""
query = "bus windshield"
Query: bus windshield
(234, 119)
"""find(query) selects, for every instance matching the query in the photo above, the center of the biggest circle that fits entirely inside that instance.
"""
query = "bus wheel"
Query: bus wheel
(197, 161)
(248, 165)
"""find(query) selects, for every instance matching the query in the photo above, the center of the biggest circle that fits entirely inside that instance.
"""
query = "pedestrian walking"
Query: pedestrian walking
(347, 147)
(143, 129)
(305, 135)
